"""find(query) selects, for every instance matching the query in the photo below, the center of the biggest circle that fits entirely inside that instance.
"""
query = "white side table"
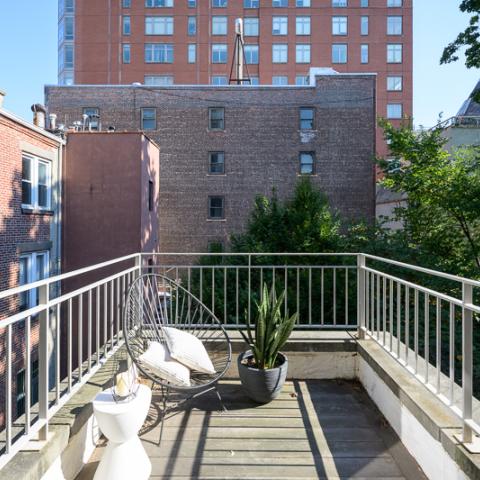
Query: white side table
(124, 457)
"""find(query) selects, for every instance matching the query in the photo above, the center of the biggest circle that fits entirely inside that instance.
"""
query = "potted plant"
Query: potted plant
(263, 369)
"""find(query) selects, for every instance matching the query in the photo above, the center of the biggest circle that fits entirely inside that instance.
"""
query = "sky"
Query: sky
(28, 57)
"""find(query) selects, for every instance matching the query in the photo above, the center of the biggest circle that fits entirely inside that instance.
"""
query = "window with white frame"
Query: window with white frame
(363, 3)
(158, 80)
(364, 53)
(394, 110)
(149, 119)
(394, 25)
(126, 57)
(158, 3)
(219, 25)
(69, 26)
(254, 80)
(302, 25)
(339, 25)
(364, 25)
(302, 3)
(216, 163)
(33, 266)
(302, 80)
(126, 25)
(279, 80)
(251, 54)
(279, 53)
(219, 53)
(216, 207)
(394, 53)
(307, 163)
(216, 118)
(250, 27)
(158, 53)
(36, 182)
(192, 26)
(219, 3)
(394, 3)
(158, 25)
(394, 83)
(280, 3)
(302, 53)
(339, 53)
(307, 118)
(251, 3)
(192, 53)
(340, 3)
(279, 25)
(219, 80)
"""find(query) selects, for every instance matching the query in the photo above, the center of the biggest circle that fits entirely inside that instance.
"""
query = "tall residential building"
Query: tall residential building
(163, 42)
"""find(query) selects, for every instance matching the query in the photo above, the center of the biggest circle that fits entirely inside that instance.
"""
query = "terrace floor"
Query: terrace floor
(315, 429)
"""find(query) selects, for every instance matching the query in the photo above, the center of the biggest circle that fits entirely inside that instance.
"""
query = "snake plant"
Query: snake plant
(271, 329)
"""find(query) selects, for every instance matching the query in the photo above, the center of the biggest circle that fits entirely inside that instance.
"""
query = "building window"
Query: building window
(93, 117)
(364, 53)
(216, 207)
(216, 164)
(36, 182)
(307, 163)
(158, 80)
(340, 3)
(219, 53)
(254, 81)
(251, 3)
(251, 54)
(250, 27)
(33, 266)
(126, 27)
(394, 84)
(150, 195)
(302, 3)
(364, 26)
(21, 389)
(158, 3)
(65, 57)
(279, 80)
(192, 53)
(216, 118)
(394, 25)
(394, 110)
(149, 119)
(280, 3)
(302, 25)
(69, 26)
(126, 53)
(192, 3)
(394, 3)
(339, 53)
(279, 53)
(302, 53)
(302, 80)
(219, 80)
(364, 3)
(192, 26)
(65, 6)
(126, 3)
(158, 25)
(219, 25)
(158, 53)
(307, 116)
(279, 25)
(394, 53)
(339, 25)
(219, 3)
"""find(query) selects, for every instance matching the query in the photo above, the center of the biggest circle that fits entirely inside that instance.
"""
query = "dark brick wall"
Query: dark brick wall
(261, 142)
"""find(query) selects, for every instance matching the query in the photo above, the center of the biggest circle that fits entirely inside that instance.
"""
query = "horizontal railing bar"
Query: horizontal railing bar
(246, 267)
(242, 254)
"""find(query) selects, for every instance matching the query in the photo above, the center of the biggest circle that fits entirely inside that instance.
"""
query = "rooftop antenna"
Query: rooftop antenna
(238, 61)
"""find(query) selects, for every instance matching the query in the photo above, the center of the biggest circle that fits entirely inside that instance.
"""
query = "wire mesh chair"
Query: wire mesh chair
(155, 301)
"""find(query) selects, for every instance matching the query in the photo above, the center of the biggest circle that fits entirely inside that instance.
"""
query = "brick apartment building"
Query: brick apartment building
(158, 42)
(222, 146)
(30, 235)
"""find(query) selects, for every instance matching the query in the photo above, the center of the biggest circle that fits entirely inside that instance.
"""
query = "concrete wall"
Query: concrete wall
(261, 141)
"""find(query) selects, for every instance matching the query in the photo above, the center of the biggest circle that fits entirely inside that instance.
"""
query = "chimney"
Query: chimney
(53, 121)
(2, 96)
(39, 115)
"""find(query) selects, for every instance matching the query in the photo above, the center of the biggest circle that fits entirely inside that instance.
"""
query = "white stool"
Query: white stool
(124, 456)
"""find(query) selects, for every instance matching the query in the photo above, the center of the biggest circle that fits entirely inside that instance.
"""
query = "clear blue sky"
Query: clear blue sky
(28, 56)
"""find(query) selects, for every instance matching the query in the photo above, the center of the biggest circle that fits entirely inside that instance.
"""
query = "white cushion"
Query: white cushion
(188, 349)
(158, 359)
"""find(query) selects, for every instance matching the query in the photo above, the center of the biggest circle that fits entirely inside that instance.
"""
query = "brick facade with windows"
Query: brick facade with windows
(261, 133)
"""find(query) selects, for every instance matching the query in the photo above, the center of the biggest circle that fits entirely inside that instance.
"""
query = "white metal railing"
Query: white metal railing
(465, 121)
(397, 305)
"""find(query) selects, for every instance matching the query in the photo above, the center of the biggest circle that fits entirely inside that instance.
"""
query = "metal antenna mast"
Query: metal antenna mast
(239, 61)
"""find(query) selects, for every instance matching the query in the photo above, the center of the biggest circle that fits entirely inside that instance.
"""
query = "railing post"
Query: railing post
(138, 264)
(467, 361)
(44, 321)
(361, 295)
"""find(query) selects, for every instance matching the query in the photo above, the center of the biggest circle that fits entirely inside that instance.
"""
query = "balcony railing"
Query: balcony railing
(423, 318)
(462, 121)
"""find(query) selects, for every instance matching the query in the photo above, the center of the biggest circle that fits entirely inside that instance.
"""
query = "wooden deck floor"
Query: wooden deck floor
(315, 429)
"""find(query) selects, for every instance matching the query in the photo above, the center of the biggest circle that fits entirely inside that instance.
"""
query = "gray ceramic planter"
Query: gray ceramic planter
(262, 386)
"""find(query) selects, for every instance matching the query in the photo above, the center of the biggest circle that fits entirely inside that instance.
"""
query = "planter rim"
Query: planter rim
(248, 353)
